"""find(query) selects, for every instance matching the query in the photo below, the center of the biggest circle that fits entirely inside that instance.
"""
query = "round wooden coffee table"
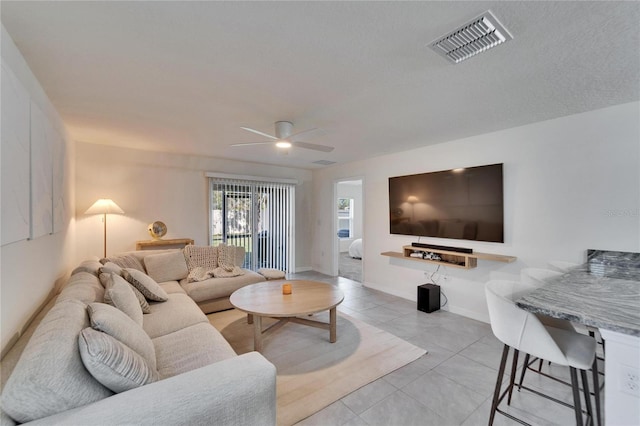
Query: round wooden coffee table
(307, 297)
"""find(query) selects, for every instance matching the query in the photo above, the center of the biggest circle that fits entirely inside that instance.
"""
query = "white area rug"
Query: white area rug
(312, 372)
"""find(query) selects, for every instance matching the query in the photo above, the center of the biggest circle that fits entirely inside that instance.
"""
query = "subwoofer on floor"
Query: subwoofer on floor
(428, 298)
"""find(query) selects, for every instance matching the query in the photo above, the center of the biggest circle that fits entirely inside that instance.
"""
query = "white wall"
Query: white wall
(570, 184)
(172, 188)
(31, 268)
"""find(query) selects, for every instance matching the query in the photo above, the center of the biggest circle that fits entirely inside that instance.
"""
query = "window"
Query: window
(256, 215)
(345, 217)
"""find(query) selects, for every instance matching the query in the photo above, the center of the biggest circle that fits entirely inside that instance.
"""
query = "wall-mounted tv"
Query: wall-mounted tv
(464, 204)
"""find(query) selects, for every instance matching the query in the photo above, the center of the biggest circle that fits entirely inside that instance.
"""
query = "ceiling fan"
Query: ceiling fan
(284, 138)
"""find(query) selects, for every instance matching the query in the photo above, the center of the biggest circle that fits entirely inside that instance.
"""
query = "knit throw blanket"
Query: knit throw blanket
(211, 262)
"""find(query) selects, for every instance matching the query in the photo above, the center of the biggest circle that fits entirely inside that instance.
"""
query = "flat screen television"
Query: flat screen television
(464, 204)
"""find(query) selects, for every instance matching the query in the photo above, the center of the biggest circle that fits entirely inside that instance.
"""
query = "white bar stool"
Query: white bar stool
(523, 331)
(536, 277)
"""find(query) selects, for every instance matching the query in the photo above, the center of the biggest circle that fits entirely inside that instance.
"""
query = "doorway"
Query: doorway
(348, 247)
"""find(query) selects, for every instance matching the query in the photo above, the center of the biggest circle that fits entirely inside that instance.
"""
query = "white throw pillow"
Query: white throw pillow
(119, 293)
(116, 324)
(113, 364)
(271, 274)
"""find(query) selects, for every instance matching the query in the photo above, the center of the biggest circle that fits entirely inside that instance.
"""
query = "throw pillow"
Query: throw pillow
(112, 363)
(203, 257)
(147, 286)
(125, 261)
(271, 274)
(120, 294)
(116, 324)
(166, 266)
(111, 267)
(144, 305)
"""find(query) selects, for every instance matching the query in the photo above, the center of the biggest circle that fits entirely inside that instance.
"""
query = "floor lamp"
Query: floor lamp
(104, 206)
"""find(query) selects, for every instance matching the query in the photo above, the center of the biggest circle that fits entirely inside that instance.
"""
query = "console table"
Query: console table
(603, 293)
(160, 244)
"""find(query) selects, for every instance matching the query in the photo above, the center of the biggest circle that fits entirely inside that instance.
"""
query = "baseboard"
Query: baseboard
(303, 269)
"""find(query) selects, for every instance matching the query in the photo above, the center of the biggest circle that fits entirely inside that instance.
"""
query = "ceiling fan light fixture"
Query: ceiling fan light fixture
(283, 144)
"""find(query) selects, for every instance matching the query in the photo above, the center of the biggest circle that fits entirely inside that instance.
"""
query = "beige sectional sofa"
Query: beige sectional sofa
(196, 378)
(212, 295)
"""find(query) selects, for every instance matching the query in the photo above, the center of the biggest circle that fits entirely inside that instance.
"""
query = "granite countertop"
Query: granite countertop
(603, 293)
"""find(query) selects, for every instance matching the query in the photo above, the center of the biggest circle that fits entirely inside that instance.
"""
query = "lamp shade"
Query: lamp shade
(104, 206)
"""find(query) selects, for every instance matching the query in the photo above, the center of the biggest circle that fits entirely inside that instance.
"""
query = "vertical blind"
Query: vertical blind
(256, 215)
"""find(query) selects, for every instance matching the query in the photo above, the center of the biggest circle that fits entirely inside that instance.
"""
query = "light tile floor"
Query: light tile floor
(451, 385)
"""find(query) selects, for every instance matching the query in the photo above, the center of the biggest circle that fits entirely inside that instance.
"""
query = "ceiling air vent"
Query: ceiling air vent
(324, 162)
(479, 35)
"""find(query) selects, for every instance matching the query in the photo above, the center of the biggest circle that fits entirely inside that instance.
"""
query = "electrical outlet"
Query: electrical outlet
(630, 380)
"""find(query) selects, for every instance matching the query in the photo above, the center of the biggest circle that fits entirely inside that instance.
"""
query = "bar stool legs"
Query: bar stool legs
(595, 374)
(498, 397)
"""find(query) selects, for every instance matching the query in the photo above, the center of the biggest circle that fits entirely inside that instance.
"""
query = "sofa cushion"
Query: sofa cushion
(166, 266)
(116, 324)
(112, 363)
(178, 312)
(82, 286)
(190, 348)
(172, 287)
(90, 265)
(145, 284)
(121, 294)
(219, 287)
(125, 261)
(50, 377)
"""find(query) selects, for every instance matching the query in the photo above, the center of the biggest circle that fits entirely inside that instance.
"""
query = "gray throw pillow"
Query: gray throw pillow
(113, 364)
(111, 267)
(166, 266)
(115, 323)
(147, 285)
(120, 293)
(125, 261)
(144, 305)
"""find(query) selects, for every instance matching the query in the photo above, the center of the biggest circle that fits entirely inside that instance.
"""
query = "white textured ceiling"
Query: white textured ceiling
(184, 76)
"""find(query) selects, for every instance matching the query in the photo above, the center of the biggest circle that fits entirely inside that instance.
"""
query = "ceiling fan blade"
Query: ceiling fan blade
(313, 146)
(252, 143)
(291, 137)
(257, 132)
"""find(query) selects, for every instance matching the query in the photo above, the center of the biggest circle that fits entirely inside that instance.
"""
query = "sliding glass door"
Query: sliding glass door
(258, 216)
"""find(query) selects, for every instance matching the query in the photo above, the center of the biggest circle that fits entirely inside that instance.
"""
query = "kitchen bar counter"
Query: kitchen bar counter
(599, 293)
(603, 293)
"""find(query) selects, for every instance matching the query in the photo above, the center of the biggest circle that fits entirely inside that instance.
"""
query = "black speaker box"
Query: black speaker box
(428, 298)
